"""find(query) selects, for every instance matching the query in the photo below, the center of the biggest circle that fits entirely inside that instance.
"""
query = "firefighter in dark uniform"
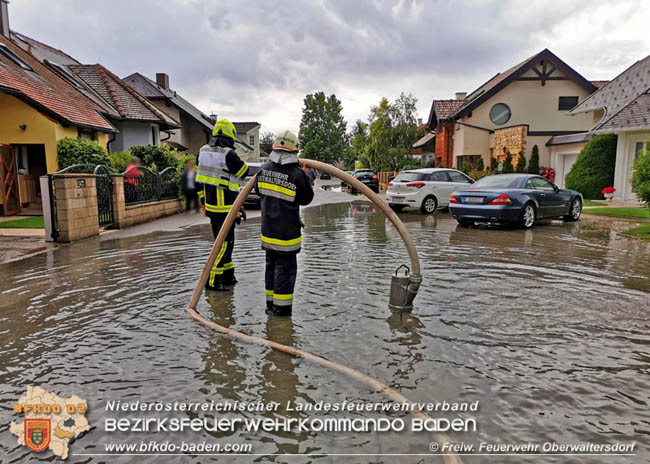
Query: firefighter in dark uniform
(283, 187)
(218, 172)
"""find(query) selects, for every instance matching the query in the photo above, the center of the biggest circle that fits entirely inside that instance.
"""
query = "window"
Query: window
(456, 176)
(65, 74)
(407, 176)
(15, 58)
(500, 113)
(566, 103)
(538, 183)
(87, 134)
(251, 140)
(638, 149)
(439, 176)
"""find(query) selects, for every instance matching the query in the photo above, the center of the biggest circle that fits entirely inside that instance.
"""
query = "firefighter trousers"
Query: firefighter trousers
(280, 280)
(223, 270)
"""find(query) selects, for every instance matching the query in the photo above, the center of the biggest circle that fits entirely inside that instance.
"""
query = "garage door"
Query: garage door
(569, 161)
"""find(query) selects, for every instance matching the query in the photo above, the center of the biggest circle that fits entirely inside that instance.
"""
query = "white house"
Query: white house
(622, 107)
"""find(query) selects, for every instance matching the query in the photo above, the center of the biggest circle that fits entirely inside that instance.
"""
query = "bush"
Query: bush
(480, 166)
(641, 176)
(80, 151)
(494, 165)
(507, 165)
(182, 161)
(466, 168)
(476, 174)
(120, 160)
(521, 163)
(155, 157)
(533, 164)
(594, 168)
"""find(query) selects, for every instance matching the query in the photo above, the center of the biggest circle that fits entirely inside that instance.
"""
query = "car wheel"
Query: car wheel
(528, 215)
(465, 222)
(429, 205)
(574, 211)
(396, 208)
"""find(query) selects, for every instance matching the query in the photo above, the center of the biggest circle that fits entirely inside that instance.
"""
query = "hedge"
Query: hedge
(71, 151)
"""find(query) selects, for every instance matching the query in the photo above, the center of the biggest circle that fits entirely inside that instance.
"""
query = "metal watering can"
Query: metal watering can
(403, 289)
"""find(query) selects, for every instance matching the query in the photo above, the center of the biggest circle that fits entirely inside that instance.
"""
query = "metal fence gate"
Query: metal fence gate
(104, 195)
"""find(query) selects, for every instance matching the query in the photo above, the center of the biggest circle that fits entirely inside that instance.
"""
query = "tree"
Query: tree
(323, 135)
(521, 163)
(594, 168)
(358, 150)
(533, 164)
(266, 141)
(507, 165)
(480, 166)
(392, 132)
(641, 175)
(494, 165)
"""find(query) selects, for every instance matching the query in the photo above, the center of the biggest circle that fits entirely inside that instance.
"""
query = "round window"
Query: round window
(500, 113)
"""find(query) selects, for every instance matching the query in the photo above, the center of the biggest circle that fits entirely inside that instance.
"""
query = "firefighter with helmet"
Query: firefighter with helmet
(219, 169)
(283, 186)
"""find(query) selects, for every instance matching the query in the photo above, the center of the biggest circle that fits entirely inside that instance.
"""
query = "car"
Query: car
(253, 198)
(367, 177)
(325, 176)
(516, 199)
(427, 189)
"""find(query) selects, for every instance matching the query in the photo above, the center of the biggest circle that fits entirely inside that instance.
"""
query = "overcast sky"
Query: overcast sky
(256, 60)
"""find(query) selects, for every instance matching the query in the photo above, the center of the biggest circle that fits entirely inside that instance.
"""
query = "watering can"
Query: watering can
(403, 289)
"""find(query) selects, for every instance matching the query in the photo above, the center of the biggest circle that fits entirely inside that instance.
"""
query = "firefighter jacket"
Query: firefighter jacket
(219, 169)
(283, 188)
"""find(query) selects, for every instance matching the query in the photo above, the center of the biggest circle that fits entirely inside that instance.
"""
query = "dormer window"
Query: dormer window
(15, 58)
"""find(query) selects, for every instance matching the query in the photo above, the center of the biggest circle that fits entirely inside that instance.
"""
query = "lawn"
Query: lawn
(593, 203)
(34, 222)
(635, 213)
(641, 232)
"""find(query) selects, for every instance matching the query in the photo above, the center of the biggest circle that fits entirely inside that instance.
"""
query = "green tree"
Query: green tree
(594, 168)
(358, 138)
(266, 141)
(71, 151)
(392, 132)
(323, 135)
(507, 165)
(521, 163)
(494, 165)
(641, 175)
(533, 164)
(480, 166)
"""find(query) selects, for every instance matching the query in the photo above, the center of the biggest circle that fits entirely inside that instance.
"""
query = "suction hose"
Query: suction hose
(398, 398)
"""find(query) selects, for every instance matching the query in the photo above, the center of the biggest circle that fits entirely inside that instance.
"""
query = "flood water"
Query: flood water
(548, 329)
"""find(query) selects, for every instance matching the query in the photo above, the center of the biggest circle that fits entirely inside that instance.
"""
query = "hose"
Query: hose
(398, 398)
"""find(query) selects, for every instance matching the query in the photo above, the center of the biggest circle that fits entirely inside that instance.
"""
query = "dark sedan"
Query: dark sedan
(253, 198)
(368, 177)
(514, 198)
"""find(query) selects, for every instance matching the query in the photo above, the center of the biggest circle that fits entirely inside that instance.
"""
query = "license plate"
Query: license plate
(473, 200)
(397, 199)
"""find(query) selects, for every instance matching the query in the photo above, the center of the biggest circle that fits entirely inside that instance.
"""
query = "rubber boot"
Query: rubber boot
(281, 310)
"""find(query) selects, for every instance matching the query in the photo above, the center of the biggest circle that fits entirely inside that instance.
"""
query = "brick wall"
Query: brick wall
(76, 206)
(129, 215)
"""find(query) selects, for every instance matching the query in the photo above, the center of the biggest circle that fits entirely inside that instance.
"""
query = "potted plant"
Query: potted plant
(608, 193)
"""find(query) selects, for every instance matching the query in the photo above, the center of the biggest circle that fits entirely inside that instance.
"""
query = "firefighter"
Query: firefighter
(283, 186)
(218, 173)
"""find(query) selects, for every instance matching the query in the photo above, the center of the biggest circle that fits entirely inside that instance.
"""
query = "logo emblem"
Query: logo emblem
(37, 434)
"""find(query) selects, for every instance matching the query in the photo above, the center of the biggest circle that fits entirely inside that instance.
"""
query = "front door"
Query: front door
(636, 145)
(9, 181)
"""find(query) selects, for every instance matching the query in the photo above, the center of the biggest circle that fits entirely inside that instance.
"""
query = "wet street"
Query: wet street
(547, 328)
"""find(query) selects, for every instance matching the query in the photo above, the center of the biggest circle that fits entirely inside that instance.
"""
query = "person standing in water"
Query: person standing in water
(283, 186)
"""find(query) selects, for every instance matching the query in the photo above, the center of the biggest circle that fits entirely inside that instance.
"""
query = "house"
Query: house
(38, 107)
(424, 147)
(138, 121)
(621, 107)
(510, 113)
(196, 126)
(249, 134)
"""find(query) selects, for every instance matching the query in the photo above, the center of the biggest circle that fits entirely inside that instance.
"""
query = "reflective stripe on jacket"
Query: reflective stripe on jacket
(282, 188)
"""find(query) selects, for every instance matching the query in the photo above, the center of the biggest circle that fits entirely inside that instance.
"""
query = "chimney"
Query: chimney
(419, 121)
(461, 95)
(213, 116)
(4, 18)
(162, 79)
